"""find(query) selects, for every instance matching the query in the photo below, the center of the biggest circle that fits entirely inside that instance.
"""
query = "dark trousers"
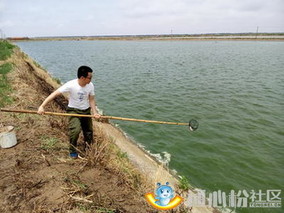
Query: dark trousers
(78, 123)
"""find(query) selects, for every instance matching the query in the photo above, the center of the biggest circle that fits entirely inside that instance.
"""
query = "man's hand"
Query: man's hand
(97, 116)
(40, 110)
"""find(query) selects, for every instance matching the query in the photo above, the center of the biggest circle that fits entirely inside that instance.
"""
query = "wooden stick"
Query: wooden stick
(91, 116)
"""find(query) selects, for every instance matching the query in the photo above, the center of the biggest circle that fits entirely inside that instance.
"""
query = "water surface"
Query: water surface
(235, 89)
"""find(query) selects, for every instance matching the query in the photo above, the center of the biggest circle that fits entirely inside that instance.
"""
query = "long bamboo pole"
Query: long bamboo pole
(91, 116)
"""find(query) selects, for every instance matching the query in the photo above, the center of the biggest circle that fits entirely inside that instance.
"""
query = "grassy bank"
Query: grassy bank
(5, 87)
(6, 49)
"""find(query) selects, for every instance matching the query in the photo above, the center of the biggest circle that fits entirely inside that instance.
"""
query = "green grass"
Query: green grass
(6, 50)
(5, 68)
(184, 183)
(5, 87)
(79, 184)
(57, 80)
(105, 210)
(50, 143)
(90, 208)
(121, 154)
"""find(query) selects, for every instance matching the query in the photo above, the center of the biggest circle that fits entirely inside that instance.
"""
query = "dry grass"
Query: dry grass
(105, 153)
(102, 154)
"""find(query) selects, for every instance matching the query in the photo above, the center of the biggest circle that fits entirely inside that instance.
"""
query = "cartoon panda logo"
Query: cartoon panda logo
(164, 194)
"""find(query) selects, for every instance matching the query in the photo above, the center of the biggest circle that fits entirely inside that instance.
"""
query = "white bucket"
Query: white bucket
(7, 137)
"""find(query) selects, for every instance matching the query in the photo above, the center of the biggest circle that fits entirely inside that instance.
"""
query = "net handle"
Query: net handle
(193, 124)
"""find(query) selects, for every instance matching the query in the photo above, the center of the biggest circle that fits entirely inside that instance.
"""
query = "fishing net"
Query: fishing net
(193, 125)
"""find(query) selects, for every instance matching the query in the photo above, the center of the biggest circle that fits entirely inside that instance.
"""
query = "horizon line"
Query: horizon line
(149, 35)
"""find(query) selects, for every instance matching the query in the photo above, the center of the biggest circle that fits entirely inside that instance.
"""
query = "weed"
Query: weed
(75, 183)
(57, 80)
(49, 143)
(121, 154)
(105, 210)
(82, 207)
(6, 49)
(184, 183)
(85, 207)
(5, 68)
(98, 153)
(38, 65)
(79, 184)
(93, 208)
(5, 87)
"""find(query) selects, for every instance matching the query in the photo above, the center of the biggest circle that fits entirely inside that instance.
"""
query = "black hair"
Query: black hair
(83, 71)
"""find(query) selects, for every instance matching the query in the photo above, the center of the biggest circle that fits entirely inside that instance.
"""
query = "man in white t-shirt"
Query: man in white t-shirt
(81, 101)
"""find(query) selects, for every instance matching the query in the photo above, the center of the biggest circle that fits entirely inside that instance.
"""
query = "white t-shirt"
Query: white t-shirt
(78, 96)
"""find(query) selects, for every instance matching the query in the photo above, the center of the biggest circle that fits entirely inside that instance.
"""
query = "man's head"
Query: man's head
(84, 75)
(83, 71)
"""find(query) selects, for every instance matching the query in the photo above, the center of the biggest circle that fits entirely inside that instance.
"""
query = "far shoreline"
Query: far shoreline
(173, 37)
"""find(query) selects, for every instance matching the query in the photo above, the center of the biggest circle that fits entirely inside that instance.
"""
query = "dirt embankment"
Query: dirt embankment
(38, 176)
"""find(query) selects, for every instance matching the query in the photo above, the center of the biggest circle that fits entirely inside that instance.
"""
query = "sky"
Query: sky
(35, 18)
